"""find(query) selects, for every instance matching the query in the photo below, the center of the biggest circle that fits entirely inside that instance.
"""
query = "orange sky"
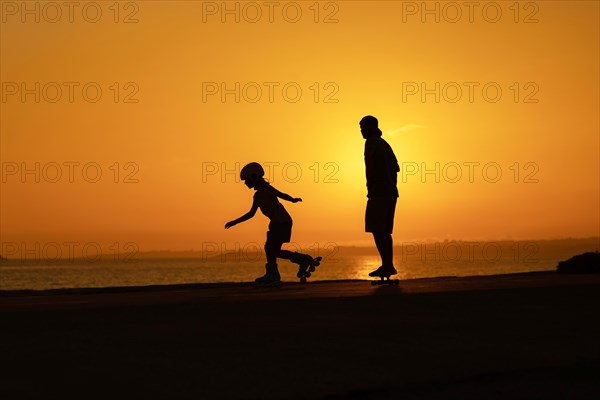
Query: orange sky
(366, 62)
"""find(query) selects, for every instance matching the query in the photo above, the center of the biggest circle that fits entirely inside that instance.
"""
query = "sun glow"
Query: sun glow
(185, 103)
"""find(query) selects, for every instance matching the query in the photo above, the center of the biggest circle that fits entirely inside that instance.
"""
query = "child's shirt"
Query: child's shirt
(266, 199)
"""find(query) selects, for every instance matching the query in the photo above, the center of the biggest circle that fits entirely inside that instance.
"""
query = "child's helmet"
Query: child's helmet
(253, 168)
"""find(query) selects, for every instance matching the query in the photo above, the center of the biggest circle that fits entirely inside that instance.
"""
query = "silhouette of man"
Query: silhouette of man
(381, 169)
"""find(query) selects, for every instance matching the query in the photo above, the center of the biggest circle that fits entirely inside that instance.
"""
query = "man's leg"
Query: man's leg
(379, 220)
(390, 250)
(385, 246)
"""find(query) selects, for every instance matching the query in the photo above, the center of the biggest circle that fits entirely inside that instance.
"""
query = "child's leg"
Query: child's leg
(295, 257)
(304, 262)
(272, 250)
(272, 275)
(285, 254)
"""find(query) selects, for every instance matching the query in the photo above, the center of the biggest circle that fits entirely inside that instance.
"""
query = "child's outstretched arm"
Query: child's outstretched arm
(287, 197)
(244, 217)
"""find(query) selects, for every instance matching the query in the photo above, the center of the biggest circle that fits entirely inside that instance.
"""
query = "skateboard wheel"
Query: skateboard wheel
(307, 275)
(312, 269)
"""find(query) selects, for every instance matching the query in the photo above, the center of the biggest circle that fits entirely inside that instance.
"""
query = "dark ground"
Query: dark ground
(529, 336)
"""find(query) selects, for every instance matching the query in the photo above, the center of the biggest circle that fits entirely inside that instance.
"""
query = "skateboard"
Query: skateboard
(311, 268)
(385, 281)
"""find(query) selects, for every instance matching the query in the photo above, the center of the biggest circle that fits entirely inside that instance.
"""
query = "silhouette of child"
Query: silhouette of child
(280, 227)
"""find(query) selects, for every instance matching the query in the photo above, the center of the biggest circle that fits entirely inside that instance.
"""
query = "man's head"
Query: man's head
(369, 127)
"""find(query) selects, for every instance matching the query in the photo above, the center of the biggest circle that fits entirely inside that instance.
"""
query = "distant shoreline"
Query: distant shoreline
(591, 243)
(218, 285)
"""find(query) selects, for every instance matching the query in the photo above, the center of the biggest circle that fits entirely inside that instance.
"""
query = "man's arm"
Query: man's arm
(370, 160)
(244, 217)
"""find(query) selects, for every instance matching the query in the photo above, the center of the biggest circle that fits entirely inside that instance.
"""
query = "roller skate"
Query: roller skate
(307, 265)
(270, 279)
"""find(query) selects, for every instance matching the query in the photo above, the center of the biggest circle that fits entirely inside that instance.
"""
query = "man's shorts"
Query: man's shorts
(280, 232)
(379, 217)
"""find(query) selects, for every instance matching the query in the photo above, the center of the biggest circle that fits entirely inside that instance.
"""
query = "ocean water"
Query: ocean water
(348, 263)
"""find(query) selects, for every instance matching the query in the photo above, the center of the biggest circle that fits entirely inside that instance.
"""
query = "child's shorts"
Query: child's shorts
(280, 232)
(379, 217)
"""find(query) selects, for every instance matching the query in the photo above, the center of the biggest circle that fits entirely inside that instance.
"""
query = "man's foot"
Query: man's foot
(384, 272)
